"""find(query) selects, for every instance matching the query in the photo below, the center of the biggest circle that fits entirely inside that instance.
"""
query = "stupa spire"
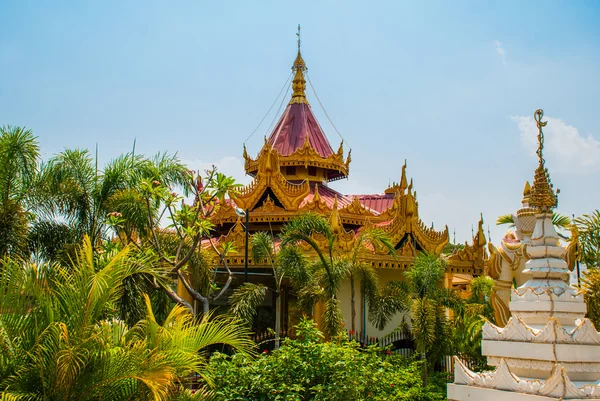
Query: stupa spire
(548, 349)
(299, 82)
(542, 194)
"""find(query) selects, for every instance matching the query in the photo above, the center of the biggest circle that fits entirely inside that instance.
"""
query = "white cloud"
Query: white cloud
(229, 165)
(500, 50)
(564, 145)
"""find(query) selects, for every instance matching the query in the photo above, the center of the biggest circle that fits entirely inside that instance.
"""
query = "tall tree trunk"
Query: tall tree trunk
(424, 368)
(353, 303)
(277, 318)
(205, 307)
(363, 320)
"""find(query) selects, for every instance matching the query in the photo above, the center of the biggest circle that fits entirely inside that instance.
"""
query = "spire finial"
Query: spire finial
(480, 233)
(526, 189)
(538, 115)
(403, 183)
(542, 192)
(299, 83)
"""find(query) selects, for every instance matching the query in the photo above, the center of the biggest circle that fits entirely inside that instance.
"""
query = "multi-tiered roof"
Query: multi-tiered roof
(291, 173)
(302, 146)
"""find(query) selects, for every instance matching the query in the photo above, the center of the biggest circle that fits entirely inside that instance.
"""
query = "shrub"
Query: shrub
(308, 368)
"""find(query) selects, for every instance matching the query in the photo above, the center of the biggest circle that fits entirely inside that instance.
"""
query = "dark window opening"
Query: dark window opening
(290, 170)
(312, 171)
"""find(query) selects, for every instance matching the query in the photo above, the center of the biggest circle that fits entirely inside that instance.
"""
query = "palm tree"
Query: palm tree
(327, 272)
(85, 196)
(19, 158)
(467, 324)
(588, 235)
(368, 240)
(60, 340)
(425, 299)
(287, 264)
(590, 287)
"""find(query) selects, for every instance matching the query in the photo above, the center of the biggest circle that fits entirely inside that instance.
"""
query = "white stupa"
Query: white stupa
(548, 350)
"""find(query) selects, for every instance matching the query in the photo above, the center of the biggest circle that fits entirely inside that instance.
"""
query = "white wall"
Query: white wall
(344, 296)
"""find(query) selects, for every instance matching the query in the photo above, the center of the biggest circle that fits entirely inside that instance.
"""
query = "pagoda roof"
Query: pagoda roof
(299, 140)
(377, 202)
(296, 126)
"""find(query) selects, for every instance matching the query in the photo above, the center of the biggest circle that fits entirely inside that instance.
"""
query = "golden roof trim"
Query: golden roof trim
(303, 156)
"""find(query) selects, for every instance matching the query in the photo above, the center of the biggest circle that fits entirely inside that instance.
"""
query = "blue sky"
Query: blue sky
(450, 86)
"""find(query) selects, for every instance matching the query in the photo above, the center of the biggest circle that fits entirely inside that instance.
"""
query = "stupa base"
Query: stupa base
(461, 392)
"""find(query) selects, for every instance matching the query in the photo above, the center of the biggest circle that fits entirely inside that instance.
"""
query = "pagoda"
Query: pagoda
(548, 350)
(291, 175)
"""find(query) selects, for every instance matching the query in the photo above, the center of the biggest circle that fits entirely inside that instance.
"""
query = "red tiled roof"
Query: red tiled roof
(377, 202)
(295, 124)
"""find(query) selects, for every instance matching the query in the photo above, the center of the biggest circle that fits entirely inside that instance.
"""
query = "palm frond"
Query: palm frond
(560, 220)
(262, 247)
(245, 301)
(423, 318)
(506, 219)
(426, 274)
(588, 227)
(395, 297)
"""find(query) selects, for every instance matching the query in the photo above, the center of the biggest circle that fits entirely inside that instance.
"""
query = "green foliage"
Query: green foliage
(590, 286)
(449, 248)
(588, 227)
(468, 322)
(59, 340)
(50, 241)
(89, 199)
(14, 224)
(425, 299)
(310, 369)
(326, 273)
(559, 220)
(245, 301)
(19, 157)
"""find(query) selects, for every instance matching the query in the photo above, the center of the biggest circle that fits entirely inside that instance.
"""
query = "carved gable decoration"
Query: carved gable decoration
(316, 204)
(269, 176)
(237, 234)
(268, 206)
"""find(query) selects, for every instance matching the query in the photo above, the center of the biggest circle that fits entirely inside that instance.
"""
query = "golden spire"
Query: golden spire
(316, 196)
(403, 184)
(527, 189)
(526, 193)
(341, 149)
(542, 194)
(335, 218)
(299, 83)
(480, 234)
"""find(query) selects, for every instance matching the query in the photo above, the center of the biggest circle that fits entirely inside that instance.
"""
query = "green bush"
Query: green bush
(310, 369)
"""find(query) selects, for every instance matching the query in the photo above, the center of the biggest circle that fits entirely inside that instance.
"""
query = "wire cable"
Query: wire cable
(325, 111)
(278, 111)
(286, 84)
